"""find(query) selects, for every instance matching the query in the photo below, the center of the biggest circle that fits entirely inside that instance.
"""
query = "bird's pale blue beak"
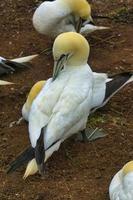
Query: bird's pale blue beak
(89, 21)
(58, 65)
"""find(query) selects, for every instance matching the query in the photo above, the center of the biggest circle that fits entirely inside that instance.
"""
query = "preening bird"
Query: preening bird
(105, 87)
(59, 16)
(62, 107)
(121, 187)
(10, 66)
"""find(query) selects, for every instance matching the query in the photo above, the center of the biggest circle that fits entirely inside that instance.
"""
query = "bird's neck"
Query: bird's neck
(75, 67)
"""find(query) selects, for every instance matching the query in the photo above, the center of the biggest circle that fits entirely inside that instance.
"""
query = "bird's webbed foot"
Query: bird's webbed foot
(90, 135)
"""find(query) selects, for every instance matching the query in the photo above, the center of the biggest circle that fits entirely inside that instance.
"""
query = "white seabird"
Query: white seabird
(61, 109)
(59, 16)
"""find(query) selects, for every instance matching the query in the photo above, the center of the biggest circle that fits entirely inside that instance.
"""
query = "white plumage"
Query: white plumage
(100, 90)
(63, 105)
(59, 16)
(121, 187)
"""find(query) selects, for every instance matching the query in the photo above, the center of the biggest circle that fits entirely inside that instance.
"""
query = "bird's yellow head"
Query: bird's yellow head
(128, 168)
(70, 49)
(80, 8)
(72, 45)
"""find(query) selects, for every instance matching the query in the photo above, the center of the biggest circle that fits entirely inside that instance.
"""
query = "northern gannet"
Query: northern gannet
(10, 66)
(59, 16)
(61, 109)
(121, 187)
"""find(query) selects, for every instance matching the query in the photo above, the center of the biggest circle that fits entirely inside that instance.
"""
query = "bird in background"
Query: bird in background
(61, 109)
(54, 17)
(121, 186)
(8, 66)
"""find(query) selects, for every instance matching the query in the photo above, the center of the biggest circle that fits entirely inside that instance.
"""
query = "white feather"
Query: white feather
(99, 89)
(25, 59)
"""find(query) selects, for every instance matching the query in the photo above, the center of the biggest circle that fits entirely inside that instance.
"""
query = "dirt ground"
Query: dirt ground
(87, 171)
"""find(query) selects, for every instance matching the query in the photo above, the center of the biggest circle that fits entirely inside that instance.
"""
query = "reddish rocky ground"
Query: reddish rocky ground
(87, 171)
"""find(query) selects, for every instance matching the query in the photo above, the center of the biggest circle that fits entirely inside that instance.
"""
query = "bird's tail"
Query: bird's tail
(131, 78)
(5, 82)
(116, 83)
(22, 159)
(25, 59)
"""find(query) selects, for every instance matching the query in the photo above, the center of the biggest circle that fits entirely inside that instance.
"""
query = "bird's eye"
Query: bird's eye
(64, 56)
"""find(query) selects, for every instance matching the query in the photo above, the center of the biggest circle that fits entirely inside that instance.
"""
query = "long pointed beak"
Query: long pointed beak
(89, 21)
(78, 25)
(58, 65)
(40, 152)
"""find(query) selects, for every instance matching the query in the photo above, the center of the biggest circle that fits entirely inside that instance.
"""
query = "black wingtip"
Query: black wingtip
(16, 65)
(40, 152)
(122, 74)
(9, 67)
(22, 159)
(117, 82)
